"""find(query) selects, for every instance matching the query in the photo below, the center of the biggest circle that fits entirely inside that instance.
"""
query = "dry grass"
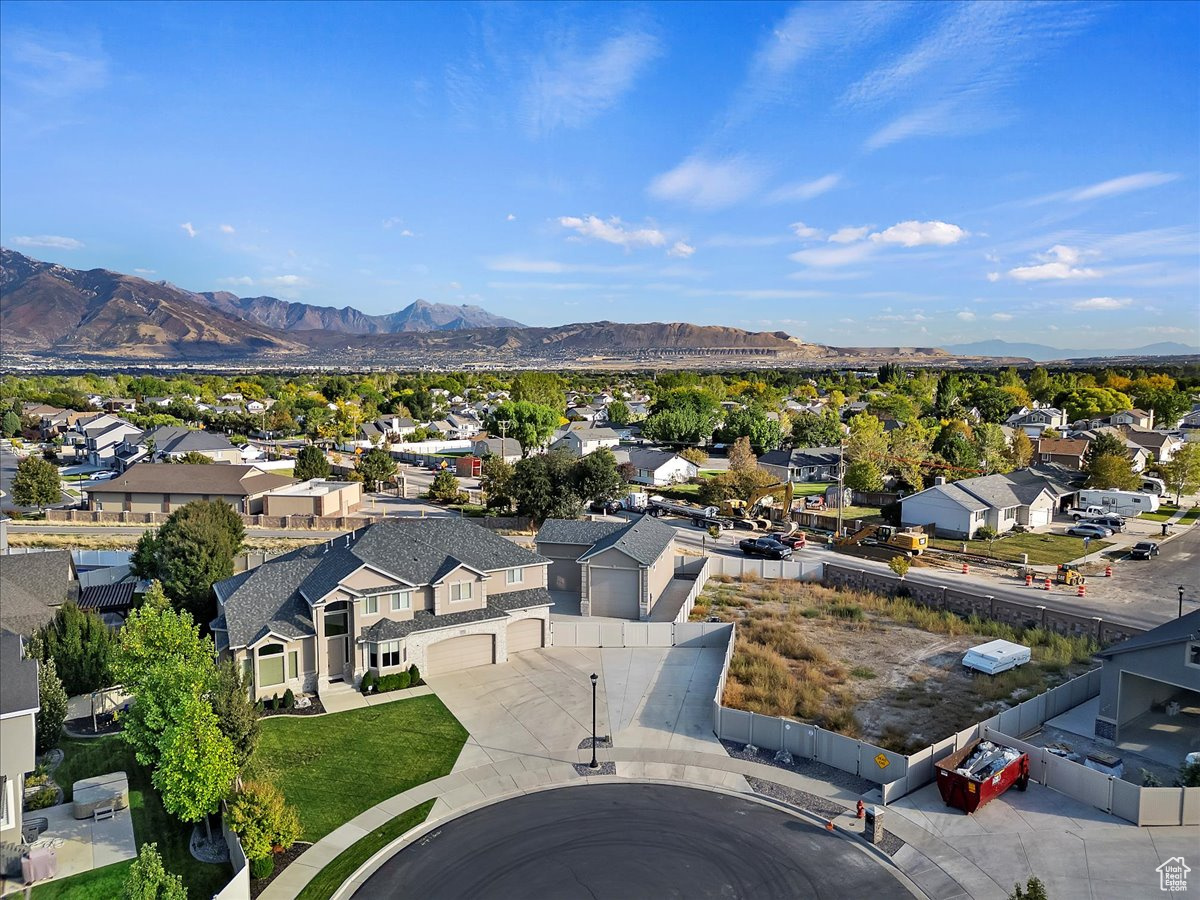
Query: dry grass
(795, 658)
(129, 541)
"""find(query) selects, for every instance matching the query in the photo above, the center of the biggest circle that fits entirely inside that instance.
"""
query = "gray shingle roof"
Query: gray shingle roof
(160, 478)
(644, 540)
(18, 676)
(424, 620)
(575, 531)
(177, 439)
(651, 460)
(525, 599)
(33, 586)
(267, 599)
(1185, 628)
(802, 456)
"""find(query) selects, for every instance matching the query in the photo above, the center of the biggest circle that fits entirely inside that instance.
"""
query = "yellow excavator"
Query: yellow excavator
(755, 512)
(914, 543)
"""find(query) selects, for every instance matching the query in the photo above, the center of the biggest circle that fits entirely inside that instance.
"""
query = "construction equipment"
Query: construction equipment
(815, 501)
(914, 543)
(1068, 576)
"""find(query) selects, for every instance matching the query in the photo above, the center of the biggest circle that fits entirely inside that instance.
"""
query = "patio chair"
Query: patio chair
(33, 828)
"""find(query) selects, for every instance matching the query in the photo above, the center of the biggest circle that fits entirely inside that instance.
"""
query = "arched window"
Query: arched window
(337, 619)
(270, 665)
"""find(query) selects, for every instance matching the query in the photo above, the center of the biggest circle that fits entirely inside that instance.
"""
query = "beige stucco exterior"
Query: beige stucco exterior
(17, 738)
(342, 499)
(114, 501)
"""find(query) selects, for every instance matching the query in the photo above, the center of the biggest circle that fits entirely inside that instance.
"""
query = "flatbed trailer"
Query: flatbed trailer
(980, 772)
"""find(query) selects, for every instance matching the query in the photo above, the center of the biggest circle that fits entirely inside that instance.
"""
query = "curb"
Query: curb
(381, 856)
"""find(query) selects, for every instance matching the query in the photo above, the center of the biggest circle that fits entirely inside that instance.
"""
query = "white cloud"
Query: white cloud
(805, 232)
(804, 190)
(406, 233)
(708, 184)
(391, 222)
(832, 257)
(48, 241)
(189, 230)
(1002, 317)
(454, 286)
(1101, 303)
(993, 276)
(54, 71)
(237, 281)
(920, 234)
(576, 86)
(849, 235)
(965, 316)
(510, 218)
(613, 231)
(748, 240)
(227, 229)
(1111, 188)
(146, 271)
(1059, 263)
(681, 249)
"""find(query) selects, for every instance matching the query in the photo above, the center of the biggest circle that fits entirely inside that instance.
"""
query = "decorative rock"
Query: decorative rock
(783, 757)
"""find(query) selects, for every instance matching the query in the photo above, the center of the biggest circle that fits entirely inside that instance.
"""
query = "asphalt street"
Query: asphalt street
(627, 842)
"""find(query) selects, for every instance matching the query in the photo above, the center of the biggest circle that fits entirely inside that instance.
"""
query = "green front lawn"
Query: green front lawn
(1190, 516)
(98, 756)
(1043, 549)
(1164, 512)
(346, 863)
(331, 768)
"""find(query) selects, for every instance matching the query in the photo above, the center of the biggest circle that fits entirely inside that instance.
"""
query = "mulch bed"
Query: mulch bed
(82, 727)
(282, 861)
(315, 709)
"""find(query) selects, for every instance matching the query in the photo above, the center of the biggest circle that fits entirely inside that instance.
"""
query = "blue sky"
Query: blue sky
(871, 174)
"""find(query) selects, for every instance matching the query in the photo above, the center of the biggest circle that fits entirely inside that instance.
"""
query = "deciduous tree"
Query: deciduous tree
(445, 488)
(196, 763)
(1182, 474)
(596, 477)
(311, 462)
(531, 424)
(149, 880)
(811, 429)
(542, 487)
(1020, 450)
(36, 483)
(260, 816)
(496, 481)
(541, 388)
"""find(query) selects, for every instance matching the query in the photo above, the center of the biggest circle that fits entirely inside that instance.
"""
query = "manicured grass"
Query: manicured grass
(98, 884)
(331, 768)
(1190, 516)
(1043, 549)
(808, 488)
(1164, 512)
(98, 756)
(346, 863)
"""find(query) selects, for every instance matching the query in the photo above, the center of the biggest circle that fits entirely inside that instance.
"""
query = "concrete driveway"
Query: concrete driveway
(540, 704)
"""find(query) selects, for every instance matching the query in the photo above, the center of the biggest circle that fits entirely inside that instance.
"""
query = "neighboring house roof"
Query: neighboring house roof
(33, 586)
(107, 597)
(18, 677)
(1150, 440)
(643, 540)
(177, 439)
(276, 595)
(1185, 628)
(585, 432)
(802, 457)
(1062, 446)
(495, 446)
(952, 492)
(149, 478)
(650, 460)
(577, 532)
(526, 599)
(1019, 488)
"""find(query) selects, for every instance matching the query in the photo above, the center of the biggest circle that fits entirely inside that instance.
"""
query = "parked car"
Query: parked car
(795, 540)
(103, 476)
(1143, 550)
(1114, 524)
(1086, 530)
(768, 548)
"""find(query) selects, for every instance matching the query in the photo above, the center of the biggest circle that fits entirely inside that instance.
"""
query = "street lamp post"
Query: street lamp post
(593, 764)
(1180, 616)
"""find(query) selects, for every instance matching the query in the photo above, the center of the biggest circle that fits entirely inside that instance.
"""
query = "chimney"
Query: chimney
(940, 479)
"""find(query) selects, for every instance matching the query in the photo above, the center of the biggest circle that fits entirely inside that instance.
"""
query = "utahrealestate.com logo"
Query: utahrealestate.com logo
(1172, 875)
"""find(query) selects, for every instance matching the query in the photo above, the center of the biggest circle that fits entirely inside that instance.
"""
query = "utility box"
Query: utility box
(873, 831)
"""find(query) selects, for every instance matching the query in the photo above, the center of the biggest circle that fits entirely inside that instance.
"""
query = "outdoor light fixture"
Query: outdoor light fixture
(595, 765)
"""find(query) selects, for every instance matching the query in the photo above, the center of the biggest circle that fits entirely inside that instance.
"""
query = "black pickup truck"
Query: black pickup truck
(767, 548)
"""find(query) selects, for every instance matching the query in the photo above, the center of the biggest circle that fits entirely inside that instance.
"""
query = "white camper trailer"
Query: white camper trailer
(995, 657)
(1122, 503)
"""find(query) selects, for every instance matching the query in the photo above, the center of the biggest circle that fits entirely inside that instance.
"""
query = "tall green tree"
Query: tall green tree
(11, 424)
(863, 475)
(53, 702)
(531, 424)
(445, 488)
(237, 716)
(753, 423)
(37, 483)
(81, 646)
(543, 487)
(196, 766)
(148, 879)
(684, 416)
(1092, 402)
(811, 429)
(496, 481)
(1182, 474)
(618, 413)
(540, 388)
(1020, 450)
(1112, 472)
(375, 467)
(955, 445)
(596, 477)
(311, 462)
(867, 441)
(992, 446)
(908, 453)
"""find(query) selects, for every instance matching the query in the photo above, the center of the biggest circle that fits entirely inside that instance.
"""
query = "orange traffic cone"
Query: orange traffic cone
(966, 569)
(1081, 591)
(1108, 571)
(829, 826)
(1028, 579)
(1047, 584)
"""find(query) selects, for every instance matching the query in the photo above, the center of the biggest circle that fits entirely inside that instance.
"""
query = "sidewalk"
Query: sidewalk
(1126, 540)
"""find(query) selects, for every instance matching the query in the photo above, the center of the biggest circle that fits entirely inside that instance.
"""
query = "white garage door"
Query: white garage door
(614, 592)
(460, 653)
(524, 634)
(1039, 517)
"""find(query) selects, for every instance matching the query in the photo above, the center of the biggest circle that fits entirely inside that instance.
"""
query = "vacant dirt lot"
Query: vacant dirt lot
(867, 666)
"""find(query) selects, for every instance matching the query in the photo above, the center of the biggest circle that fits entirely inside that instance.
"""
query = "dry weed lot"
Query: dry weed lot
(882, 669)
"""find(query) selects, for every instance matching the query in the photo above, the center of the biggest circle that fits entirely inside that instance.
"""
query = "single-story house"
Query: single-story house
(315, 497)
(148, 487)
(19, 706)
(1142, 677)
(581, 439)
(657, 468)
(33, 586)
(1066, 452)
(802, 464)
(439, 593)
(999, 502)
(619, 569)
(509, 449)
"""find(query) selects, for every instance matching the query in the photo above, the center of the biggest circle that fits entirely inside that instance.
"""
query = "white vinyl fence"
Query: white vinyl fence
(238, 887)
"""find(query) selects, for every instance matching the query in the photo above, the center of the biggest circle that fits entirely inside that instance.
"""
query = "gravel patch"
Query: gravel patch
(605, 768)
(214, 851)
(601, 742)
(812, 803)
(808, 767)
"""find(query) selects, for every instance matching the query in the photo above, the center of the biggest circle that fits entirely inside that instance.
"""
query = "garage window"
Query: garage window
(514, 576)
(460, 590)
(270, 665)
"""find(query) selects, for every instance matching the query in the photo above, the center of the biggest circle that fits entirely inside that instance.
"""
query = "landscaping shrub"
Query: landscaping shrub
(986, 534)
(397, 681)
(263, 867)
(275, 702)
(262, 820)
(862, 672)
(414, 675)
(289, 699)
(852, 612)
(42, 799)
(369, 682)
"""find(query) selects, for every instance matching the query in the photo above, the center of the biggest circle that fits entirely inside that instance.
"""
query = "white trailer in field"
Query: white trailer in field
(1121, 503)
(996, 656)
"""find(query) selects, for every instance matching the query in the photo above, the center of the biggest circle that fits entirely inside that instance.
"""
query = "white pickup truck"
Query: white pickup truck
(1086, 512)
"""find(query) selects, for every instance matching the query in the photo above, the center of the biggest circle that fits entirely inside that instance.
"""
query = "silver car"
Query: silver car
(1086, 530)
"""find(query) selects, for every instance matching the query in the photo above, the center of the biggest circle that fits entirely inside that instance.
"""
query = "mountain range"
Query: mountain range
(1043, 353)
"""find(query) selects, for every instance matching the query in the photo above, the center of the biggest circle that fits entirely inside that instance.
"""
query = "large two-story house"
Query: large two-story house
(19, 707)
(440, 593)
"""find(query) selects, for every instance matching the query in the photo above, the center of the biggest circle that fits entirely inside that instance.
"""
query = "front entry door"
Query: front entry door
(336, 655)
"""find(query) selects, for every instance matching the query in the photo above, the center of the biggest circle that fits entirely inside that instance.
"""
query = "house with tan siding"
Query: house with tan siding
(438, 593)
(161, 487)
